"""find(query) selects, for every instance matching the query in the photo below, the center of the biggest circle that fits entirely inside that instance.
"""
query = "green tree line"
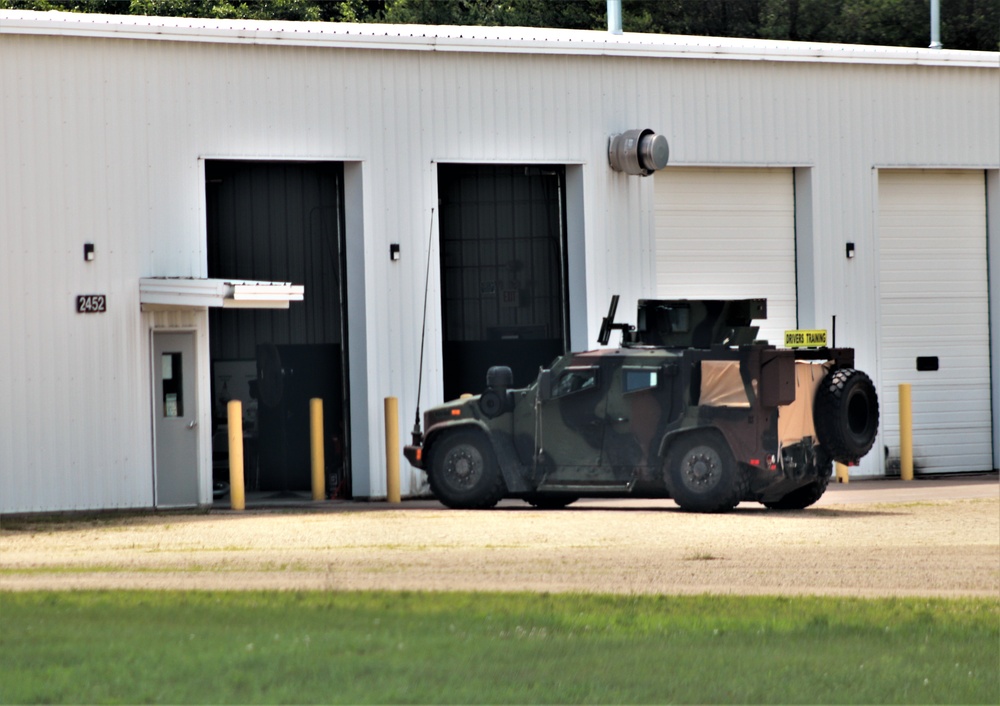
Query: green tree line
(965, 24)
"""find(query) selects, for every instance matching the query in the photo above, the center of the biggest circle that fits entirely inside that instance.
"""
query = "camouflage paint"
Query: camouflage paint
(601, 423)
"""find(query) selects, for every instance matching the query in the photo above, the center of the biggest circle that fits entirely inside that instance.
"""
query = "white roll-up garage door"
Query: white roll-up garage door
(728, 234)
(933, 296)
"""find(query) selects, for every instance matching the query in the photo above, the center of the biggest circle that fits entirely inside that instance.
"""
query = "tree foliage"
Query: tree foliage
(965, 24)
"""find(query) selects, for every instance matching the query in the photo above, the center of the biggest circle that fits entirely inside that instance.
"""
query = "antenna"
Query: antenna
(417, 434)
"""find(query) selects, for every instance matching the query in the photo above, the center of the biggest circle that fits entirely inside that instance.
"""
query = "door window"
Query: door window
(576, 379)
(172, 384)
(637, 379)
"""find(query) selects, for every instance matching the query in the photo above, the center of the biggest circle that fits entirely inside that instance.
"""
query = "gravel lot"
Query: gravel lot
(928, 538)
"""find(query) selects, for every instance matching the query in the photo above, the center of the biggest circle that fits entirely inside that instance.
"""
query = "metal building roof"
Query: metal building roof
(474, 39)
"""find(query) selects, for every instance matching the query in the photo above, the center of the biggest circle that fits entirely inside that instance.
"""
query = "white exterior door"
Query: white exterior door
(728, 234)
(175, 419)
(934, 316)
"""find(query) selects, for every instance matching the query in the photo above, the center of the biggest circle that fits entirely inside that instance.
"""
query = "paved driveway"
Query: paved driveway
(926, 538)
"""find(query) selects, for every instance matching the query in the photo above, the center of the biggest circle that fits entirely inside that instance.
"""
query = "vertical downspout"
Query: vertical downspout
(615, 16)
(935, 24)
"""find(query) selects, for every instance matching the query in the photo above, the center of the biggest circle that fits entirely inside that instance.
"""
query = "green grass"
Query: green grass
(362, 647)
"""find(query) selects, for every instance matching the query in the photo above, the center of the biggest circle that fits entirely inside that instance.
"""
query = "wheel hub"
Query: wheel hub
(701, 471)
(463, 468)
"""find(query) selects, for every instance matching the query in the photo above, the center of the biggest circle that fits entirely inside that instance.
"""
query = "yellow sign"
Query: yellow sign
(805, 339)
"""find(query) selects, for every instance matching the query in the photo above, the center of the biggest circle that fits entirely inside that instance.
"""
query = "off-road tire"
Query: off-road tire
(702, 475)
(801, 498)
(550, 501)
(846, 414)
(463, 471)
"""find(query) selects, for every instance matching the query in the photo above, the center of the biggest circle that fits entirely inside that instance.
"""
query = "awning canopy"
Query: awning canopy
(198, 292)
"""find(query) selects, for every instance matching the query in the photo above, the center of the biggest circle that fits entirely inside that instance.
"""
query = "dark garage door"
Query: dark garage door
(280, 221)
(503, 271)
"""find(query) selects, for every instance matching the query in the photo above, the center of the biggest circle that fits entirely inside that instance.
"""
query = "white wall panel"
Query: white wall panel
(101, 137)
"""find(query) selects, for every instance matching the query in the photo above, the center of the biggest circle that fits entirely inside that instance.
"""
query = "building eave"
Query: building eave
(519, 40)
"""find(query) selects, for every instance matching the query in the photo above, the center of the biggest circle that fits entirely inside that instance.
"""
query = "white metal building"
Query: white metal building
(861, 183)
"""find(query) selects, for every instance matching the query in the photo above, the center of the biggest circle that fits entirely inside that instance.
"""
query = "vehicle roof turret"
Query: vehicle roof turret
(688, 323)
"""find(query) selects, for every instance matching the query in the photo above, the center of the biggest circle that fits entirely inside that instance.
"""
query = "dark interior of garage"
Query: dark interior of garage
(503, 270)
(279, 222)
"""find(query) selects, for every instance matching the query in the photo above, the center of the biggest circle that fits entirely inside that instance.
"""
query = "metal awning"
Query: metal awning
(198, 292)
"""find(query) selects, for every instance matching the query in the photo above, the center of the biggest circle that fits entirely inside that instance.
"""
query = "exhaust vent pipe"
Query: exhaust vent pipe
(935, 24)
(638, 152)
(615, 16)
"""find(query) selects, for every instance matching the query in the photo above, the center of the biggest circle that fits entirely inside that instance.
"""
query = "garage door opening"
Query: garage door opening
(280, 221)
(503, 271)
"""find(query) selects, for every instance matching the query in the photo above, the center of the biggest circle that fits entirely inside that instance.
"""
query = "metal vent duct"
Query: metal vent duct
(640, 152)
(935, 24)
(615, 16)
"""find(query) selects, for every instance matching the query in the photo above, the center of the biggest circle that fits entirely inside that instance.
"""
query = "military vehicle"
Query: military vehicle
(689, 406)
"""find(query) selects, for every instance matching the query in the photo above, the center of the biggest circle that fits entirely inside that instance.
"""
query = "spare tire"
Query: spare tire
(846, 414)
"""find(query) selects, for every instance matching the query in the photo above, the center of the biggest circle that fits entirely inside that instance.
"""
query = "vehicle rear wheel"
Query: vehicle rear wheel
(463, 471)
(550, 501)
(702, 475)
(801, 498)
(846, 414)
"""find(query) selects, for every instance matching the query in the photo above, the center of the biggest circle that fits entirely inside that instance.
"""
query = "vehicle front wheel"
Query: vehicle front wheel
(463, 471)
(702, 475)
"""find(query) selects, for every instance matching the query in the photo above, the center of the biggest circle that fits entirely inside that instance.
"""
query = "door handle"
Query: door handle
(619, 420)
(192, 424)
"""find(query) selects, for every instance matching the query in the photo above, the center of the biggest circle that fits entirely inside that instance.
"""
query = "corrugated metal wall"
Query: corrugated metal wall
(102, 141)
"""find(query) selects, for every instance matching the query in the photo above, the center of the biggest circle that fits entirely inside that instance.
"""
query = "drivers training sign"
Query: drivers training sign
(805, 339)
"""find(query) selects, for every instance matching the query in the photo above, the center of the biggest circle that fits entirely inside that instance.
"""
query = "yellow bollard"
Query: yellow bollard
(905, 432)
(317, 452)
(392, 449)
(237, 499)
(843, 473)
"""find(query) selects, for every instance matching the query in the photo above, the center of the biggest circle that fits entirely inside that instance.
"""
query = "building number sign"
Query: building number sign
(91, 303)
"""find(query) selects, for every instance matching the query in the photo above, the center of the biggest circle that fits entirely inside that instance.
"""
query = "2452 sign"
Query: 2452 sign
(91, 303)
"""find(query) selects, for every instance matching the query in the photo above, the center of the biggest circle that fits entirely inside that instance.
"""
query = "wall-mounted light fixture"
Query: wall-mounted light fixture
(394, 251)
(850, 251)
(88, 252)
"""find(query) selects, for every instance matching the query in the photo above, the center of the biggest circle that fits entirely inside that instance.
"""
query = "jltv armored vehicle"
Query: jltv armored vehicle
(688, 407)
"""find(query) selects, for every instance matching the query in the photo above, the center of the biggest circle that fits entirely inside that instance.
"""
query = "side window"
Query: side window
(576, 379)
(636, 379)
